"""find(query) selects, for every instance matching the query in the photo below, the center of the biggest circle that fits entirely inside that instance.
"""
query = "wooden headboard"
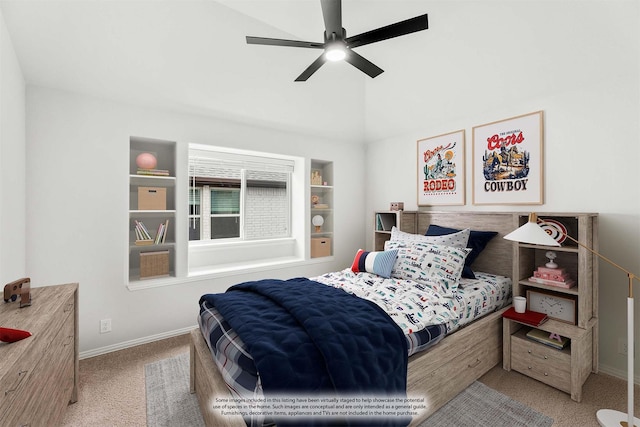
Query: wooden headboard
(497, 257)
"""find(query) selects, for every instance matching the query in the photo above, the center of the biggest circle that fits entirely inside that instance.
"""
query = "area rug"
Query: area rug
(170, 404)
(482, 406)
(169, 401)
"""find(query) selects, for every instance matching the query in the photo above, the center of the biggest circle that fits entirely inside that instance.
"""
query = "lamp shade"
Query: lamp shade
(532, 233)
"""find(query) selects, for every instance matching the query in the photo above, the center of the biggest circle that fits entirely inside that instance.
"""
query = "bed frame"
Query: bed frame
(438, 374)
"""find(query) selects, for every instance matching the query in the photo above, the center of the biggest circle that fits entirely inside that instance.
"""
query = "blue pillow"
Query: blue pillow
(477, 242)
(380, 263)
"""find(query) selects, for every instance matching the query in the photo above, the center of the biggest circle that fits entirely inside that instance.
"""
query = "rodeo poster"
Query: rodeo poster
(441, 170)
(507, 161)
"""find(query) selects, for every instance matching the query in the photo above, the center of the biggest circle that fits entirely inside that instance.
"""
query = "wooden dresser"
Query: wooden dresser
(39, 374)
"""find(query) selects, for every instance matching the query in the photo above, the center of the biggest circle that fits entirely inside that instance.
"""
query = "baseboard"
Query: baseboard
(614, 372)
(127, 344)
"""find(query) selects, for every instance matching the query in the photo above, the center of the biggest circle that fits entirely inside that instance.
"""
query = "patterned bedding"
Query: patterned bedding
(424, 315)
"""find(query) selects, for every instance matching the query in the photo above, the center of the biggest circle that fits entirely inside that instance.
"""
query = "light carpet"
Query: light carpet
(169, 400)
(169, 403)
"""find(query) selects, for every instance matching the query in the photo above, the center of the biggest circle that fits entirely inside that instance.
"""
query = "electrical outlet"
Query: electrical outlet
(105, 326)
(622, 346)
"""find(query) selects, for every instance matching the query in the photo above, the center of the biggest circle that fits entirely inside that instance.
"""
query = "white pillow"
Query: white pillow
(458, 240)
(436, 266)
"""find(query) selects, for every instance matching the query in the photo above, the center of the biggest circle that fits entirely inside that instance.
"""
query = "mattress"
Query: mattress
(425, 318)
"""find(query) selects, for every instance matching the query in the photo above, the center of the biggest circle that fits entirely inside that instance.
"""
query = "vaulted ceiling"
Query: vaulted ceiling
(191, 56)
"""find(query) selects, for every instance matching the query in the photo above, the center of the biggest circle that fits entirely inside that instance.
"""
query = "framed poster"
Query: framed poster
(507, 161)
(441, 170)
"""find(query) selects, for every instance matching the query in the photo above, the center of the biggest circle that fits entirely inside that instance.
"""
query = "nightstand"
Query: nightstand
(565, 369)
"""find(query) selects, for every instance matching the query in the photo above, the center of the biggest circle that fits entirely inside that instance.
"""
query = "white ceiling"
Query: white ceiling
(190, 55)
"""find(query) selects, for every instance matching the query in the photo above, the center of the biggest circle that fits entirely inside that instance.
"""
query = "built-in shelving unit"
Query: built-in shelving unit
(157, 257)
(321, 190)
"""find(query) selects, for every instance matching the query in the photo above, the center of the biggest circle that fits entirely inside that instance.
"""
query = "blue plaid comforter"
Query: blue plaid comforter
(307, 337)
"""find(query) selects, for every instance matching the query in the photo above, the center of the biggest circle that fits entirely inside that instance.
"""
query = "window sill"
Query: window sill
(238, 268)
(225, 271)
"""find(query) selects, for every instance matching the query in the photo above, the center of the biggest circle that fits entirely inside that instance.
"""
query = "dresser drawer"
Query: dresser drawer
(20, 374)
(541, 362)
(45, 393)
(39, 375)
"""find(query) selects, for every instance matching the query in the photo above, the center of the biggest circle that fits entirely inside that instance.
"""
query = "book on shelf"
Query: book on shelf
(166, 228)
(158, 238)
(141, 231)
(143, 237)
(161, 235)
(531, 318)
(153, 172)
(568, 284)
(557, 277)
(546, 338)
(385, 222)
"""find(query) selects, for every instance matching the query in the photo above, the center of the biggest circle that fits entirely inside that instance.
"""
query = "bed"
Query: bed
(446, 365)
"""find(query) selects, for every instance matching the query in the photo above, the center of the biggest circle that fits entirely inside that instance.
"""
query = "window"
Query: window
(238, 197)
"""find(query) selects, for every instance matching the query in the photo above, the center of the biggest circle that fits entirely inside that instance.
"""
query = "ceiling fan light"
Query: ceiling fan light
(335, 53)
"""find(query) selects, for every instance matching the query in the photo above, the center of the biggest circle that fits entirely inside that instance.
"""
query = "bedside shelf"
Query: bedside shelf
(569, 372)
(570, 291)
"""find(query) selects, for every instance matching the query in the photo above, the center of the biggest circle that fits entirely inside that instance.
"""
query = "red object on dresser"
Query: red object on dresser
(13, 335)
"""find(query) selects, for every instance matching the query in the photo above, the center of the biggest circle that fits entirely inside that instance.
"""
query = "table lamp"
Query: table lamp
(317, 221)
(532, 233)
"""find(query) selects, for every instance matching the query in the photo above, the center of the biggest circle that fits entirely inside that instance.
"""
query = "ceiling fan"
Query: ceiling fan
(338, 46)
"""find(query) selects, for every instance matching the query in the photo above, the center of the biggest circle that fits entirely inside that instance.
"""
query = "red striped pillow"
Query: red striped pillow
(380, 263)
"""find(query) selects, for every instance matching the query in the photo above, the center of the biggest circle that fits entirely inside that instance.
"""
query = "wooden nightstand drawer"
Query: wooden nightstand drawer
(541, 362)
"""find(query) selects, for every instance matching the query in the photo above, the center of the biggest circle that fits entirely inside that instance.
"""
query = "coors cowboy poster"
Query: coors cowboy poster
(441, 170)
(507, 161)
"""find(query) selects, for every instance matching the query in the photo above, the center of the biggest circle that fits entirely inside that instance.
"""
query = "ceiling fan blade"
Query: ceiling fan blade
(401, 28)
(362, 64)
(283, 42)
(315, 65)
(332, 14)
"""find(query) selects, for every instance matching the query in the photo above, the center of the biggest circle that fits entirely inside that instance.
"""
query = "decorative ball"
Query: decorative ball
(146, 161)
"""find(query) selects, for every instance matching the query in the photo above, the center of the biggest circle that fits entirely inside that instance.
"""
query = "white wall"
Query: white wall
(12, 162)
(78, 196)
(483, 61)
(576, 61)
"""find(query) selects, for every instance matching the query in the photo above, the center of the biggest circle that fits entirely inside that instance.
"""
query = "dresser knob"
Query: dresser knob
(546, 375)
(528, 367)
(474, 364)
(529, 351)
(545, 357)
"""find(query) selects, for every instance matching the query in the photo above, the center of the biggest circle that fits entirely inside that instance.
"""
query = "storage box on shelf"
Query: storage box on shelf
(569, 368)
(154, 264)
(320, 247)
(152, 198)
(383, 221)
(321, 210)
(152, 207)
